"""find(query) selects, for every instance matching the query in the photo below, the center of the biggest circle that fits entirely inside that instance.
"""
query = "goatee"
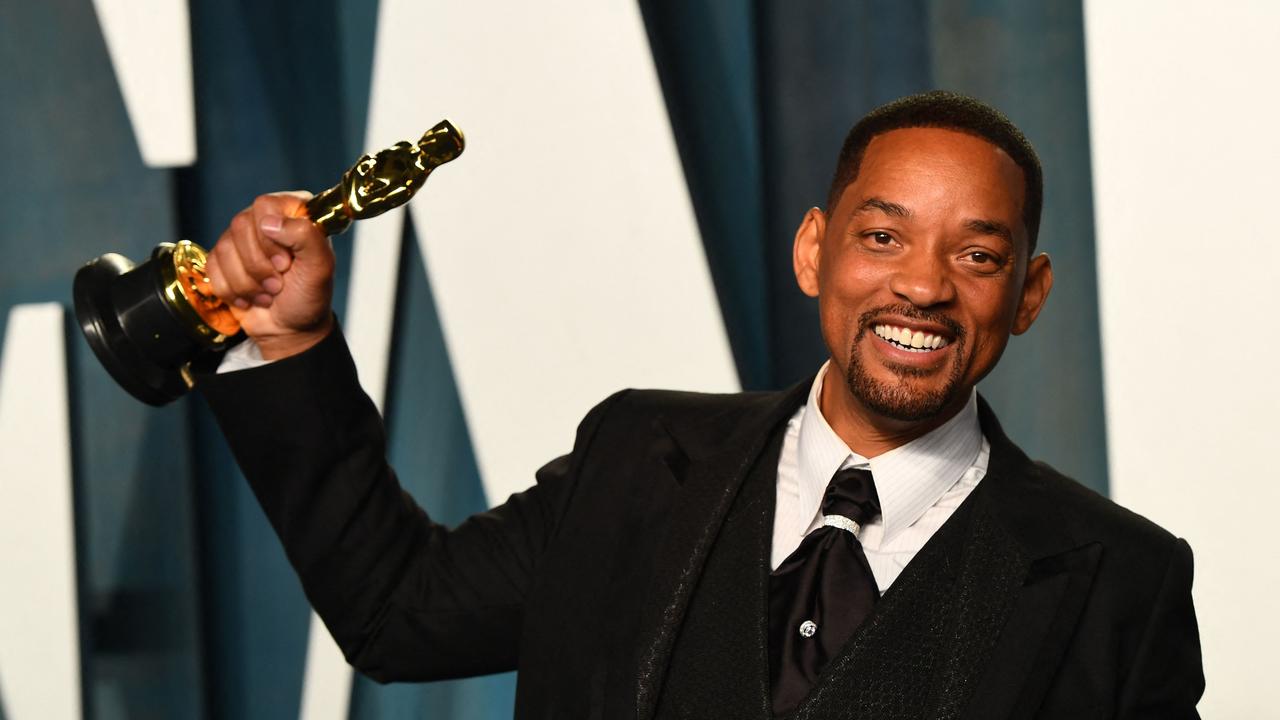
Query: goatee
(900, 400)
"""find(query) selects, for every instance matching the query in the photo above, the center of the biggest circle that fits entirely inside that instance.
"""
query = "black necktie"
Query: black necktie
(823, 591)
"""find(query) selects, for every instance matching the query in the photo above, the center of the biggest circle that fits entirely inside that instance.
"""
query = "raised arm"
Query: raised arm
(405, 597)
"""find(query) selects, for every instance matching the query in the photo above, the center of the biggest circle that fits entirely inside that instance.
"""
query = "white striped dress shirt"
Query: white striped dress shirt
(920, 484)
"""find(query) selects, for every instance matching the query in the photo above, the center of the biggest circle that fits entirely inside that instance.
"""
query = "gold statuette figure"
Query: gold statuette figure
(377, 183)
(148, 323)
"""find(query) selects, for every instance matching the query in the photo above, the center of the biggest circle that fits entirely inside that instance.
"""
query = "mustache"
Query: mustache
(911, 312)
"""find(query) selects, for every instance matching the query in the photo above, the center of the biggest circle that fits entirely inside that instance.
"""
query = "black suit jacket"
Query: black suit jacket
(582, 582)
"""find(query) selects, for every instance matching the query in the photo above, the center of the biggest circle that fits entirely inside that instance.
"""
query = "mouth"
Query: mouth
(913, 340)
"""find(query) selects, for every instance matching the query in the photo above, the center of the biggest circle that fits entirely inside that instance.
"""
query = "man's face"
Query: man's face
(921, 272)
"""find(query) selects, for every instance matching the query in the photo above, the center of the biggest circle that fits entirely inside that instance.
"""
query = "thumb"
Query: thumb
(284, 232)
(297, 236)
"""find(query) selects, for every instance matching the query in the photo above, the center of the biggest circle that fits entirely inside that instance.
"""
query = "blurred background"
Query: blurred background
(623, 216)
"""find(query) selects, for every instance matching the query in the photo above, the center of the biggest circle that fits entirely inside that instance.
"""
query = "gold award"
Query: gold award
(147, 323)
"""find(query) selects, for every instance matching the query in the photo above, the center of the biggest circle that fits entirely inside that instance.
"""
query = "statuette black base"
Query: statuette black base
(133, 329)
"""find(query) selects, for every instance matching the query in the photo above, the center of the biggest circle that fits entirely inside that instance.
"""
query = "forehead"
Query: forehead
(937, 170)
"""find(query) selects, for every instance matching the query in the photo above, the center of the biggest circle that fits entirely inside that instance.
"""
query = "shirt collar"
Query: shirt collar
(909, 479)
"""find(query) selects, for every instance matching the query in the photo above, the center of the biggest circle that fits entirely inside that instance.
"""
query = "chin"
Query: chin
(910, 395)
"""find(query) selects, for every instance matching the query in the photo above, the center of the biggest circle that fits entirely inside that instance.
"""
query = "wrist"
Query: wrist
(279, 347)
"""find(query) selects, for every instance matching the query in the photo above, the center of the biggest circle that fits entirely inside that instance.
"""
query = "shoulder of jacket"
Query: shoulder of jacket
(679, 404)
(635, 412)
(1094, 516)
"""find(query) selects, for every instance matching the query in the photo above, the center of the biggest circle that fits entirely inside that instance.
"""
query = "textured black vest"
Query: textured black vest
(918, 655)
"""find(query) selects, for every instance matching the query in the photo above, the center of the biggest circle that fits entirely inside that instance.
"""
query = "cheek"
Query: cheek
(849, 286)
(990, 300)
(844, 294)
(991, 314)
(838, 325)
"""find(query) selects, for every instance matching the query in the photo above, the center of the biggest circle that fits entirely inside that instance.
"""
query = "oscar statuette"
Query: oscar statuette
(148, 323)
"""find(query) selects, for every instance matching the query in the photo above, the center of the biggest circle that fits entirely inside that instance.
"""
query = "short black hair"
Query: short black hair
(951, 111)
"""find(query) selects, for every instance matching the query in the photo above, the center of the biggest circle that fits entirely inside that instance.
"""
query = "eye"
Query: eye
(983, 261)
(878, 240)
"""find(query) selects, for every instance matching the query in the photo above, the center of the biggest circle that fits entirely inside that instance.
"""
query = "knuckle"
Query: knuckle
(242, 286)
(265, 203)
(216, 278)
(258, 268)
(223, 240)
(218, 255)
(230, 280)
(228, 257)
(241, 224)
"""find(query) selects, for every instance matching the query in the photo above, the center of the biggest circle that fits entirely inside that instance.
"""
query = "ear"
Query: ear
(1035, 290)
(806, 254)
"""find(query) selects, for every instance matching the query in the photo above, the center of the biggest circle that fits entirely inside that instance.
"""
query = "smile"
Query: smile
(910, 340)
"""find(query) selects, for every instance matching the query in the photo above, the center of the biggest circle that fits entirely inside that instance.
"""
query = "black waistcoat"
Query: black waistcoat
(917, 656)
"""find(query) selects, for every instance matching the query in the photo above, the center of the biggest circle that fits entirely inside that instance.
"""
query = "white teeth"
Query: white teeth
(907, 339)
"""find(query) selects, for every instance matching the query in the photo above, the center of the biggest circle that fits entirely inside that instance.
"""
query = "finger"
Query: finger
(299, 208)
(284, 204)
(296, 236)
(213, 271)
(218, 278)
(271, 212)
(230, 281)
(248, 243)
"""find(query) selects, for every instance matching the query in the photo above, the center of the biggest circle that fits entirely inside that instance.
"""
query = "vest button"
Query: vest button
(808, 628)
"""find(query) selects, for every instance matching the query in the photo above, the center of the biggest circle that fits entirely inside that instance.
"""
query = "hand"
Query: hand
(275, 269)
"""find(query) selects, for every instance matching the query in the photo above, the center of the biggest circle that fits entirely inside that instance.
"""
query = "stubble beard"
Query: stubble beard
(901, 400)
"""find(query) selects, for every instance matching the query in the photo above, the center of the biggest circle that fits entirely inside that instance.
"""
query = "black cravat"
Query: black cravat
(823, 591)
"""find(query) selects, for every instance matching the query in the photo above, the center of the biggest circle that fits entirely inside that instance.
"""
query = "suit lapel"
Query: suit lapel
(708, 464)
(1046, 604)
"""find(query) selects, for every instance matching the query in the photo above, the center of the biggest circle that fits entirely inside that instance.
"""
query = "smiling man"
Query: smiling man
(865, 544)
(922, 268)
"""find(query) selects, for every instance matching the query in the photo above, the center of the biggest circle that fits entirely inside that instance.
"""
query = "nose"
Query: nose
(921, 279)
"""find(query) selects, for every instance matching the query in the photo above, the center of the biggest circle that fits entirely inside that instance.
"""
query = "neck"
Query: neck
(869, 433)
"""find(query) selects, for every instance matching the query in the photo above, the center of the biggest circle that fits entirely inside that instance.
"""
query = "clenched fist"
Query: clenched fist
(275, 269)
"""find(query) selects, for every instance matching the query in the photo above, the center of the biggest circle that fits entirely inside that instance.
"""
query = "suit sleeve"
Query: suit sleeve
(1167, 679)
(404, 597)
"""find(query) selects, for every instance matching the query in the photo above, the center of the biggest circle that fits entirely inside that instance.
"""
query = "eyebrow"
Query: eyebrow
(884, 206)
(990, 227)
(984, 227)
